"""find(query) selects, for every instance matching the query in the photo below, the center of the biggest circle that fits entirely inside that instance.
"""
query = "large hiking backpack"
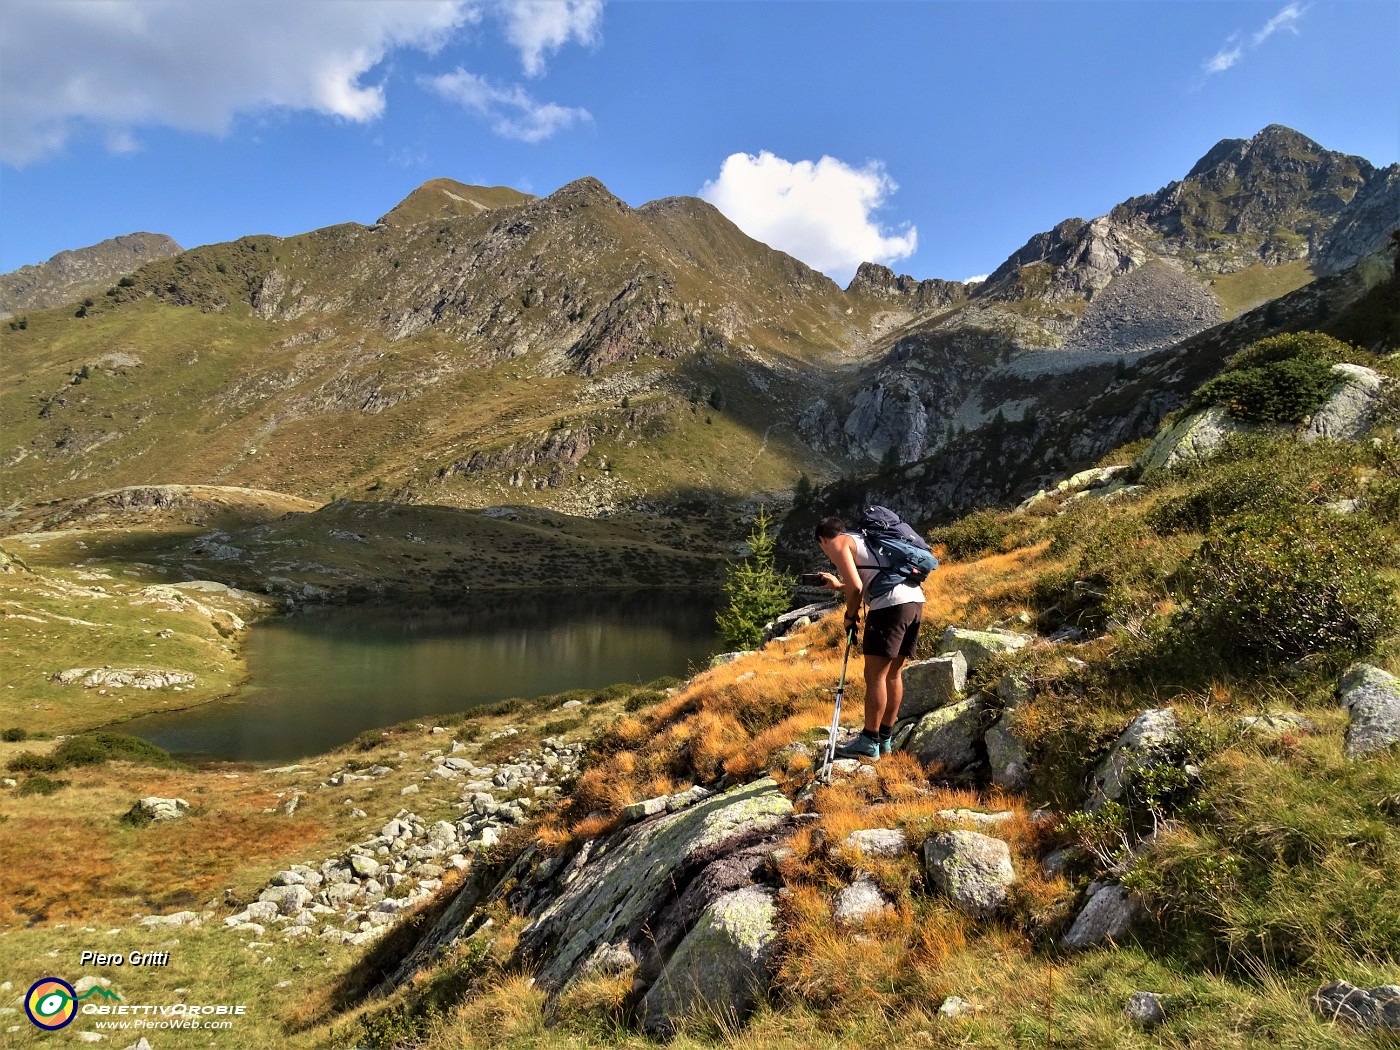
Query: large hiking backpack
(901, 554)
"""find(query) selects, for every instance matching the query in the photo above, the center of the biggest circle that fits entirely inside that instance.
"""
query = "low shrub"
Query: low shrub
(1283, 379)
(91, 749)
(977, 533)
(38, 784)
(14, 735)
(1266, 585)
(643, 698)
(31, 762)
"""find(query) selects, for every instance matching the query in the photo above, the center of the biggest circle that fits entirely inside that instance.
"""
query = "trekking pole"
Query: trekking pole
(825, 776)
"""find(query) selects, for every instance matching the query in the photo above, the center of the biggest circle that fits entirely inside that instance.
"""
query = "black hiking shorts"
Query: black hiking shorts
(892, 632)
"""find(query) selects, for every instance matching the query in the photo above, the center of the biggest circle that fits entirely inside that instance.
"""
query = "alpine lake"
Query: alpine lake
(320, 677)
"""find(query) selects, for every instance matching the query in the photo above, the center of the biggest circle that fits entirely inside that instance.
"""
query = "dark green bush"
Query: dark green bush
(977, 533)
(1266, 585)
(92, 749)
(29, 762)
(38, 784)
(503, 707)
(368, 740)
(643, 698)
(14, 735)
(1283, 379)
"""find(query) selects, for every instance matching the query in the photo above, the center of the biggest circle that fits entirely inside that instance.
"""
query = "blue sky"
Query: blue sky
(936, 137)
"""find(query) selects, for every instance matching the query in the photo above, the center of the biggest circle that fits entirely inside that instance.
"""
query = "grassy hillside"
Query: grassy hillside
(1239, 587)
(375, 361)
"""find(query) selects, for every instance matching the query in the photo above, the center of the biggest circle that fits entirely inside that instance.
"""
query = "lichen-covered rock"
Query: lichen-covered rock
(1351, 406)
(1147, 741)
(724, 963)
(955, 1007)
(794, 619)
(1146, 1008)
(606, 895)
(973, 870)
(931, 684)
(1374, 1008)
(979, 820)
(1192, 438)
(123, 677)
(1274, 723)
(289, 899)
(1108, 916)
(1014, 689)
(610, 960)
(860, 902)
(1007, 756)
(978, 647)
(879, 842)
(1372, 697)
(949, 736)
(156, 808)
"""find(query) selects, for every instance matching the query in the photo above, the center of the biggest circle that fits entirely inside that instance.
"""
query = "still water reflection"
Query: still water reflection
(320, 678)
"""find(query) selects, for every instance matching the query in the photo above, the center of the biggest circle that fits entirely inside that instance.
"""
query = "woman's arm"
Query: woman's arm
(845, 561)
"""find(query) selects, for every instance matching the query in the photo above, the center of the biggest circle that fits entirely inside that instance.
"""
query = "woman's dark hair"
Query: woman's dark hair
(829, 528)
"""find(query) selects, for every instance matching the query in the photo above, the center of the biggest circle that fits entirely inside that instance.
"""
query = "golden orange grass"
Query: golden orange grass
(510, 1010)
(988, 588)
(597, 996)
(870, 967)
(700, 732)
(68, 857)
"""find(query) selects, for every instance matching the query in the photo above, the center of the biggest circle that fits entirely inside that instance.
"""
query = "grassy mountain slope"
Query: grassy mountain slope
(1264, 868)
(378, 360)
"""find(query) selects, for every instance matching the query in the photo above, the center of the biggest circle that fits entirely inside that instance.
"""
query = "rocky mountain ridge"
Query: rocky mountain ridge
(478, 346)
(1244, 227)
(71, 275)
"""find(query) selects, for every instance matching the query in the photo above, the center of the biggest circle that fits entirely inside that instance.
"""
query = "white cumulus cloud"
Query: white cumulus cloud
(1235, 49)
(539, 28)
(822, 213)
(110, 66)
(511, 110)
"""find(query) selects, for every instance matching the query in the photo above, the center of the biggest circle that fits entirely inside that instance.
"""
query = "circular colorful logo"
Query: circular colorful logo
(51, 1004)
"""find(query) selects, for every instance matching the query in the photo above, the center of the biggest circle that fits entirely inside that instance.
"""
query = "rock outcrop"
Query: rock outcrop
(1108, 916)
(1149, 740)
(724, 964)
(1351, 407)
(682, 892)
(1377, 1009)
(70, 275)
(949, 737)
(1372, 697)
(972, 870)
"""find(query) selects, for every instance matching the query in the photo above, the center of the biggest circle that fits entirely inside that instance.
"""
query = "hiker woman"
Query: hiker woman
(891, 629)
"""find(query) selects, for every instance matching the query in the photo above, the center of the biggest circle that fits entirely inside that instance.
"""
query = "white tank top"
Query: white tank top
(903, 593)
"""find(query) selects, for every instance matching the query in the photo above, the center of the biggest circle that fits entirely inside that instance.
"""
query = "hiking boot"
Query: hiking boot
(886, 745)
(859, 747)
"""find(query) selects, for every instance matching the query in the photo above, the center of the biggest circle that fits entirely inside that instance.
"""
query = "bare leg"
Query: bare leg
(876, 690)
(894, 691)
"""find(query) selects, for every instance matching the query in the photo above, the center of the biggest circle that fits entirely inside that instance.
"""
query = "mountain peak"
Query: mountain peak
(1271, 144)
(447, 198)
(586, 190)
